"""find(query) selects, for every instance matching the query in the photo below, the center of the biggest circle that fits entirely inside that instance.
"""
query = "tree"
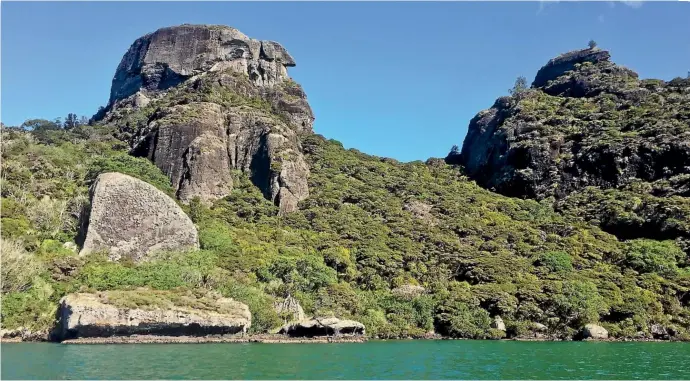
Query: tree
(592, 44)
(38, 125)
(71, 121)
(519, 87)
(455, 149)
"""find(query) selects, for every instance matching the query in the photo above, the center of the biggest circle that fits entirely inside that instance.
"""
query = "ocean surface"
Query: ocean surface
(457, 359)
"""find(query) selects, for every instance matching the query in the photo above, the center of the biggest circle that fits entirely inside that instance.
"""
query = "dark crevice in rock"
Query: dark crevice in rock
(260, 168)
(151, 329)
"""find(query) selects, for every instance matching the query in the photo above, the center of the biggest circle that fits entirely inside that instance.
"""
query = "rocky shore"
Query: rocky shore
(268, 339)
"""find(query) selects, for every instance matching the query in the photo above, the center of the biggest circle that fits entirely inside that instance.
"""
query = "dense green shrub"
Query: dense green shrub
(557, 261)
(646, 256)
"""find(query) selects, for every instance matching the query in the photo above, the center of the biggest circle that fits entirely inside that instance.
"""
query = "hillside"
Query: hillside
(609, 147)
(404, 248)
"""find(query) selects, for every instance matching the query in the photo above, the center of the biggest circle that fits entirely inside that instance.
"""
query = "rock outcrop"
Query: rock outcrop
(169, 56)
(408, 291)
(498, 324)
(323, 327)
(589, 123)
(202, 100)
(594, 332)
(112, 313)
(130, 218)
(290, 307)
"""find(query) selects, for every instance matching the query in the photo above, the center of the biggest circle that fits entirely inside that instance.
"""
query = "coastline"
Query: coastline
(267, 339)
(278, 339)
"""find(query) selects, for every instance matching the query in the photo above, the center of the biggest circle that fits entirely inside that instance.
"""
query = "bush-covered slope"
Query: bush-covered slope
(610, 147)
(369, 227)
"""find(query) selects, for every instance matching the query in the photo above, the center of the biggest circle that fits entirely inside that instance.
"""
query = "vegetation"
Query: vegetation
(356, 238)
(519, 87)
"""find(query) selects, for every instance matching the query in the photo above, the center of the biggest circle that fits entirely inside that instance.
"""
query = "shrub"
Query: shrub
(138, 167)
(557, 261)
(457, 319)
(647, 256)
(19, 268)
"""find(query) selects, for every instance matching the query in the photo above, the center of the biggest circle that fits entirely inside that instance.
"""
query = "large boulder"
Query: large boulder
(594, 332)
(130, 218)
(323, 327)
(148, 312)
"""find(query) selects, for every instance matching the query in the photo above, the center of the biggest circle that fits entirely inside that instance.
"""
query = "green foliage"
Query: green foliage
(519, 87)
(648, 256)
(557, 261)
(137, 167)
(369, 225)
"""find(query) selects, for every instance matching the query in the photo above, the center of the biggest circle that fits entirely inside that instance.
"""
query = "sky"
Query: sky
(394, 79)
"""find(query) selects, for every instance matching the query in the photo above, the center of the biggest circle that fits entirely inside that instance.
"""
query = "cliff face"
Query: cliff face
(200, 101)
(587, 122)
(169, 56)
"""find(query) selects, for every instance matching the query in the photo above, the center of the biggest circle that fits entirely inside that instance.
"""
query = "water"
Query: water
(372, 360)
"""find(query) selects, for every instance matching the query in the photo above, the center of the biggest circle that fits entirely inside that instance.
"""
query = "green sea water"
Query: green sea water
(372, 360)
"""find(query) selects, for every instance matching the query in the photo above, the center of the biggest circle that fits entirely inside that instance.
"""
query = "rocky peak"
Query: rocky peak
(202, 100)
(566, 62)
(169, 56)
(589, 126)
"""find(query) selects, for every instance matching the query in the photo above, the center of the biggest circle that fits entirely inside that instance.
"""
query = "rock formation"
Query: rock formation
(290, 306)
(594, 332)
(169, 56)
(323, 327)
(202, 100)
(108, 314)
(498, 324)
(130, 218)
(408, 291)
(588, 122)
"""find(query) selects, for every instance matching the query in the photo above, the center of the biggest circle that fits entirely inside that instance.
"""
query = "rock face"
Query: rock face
(131, 218)
(323, 327)
(590, 123)
(291, 307)
(594, 332)
(498, 324)
(408, 291)
(566, 62)
(201, 100)
(92, 315)
(169, 56)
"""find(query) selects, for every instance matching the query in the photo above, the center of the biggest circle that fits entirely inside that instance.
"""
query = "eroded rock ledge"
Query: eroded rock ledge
(330, 326)
(148, 312)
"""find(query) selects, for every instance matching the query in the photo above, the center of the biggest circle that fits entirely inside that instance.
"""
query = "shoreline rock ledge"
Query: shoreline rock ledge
(118, 313)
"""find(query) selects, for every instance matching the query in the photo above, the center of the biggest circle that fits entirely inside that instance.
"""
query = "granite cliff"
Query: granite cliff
(201, 100)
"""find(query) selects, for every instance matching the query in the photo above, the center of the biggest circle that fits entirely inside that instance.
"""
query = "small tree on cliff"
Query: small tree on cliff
(592, 44)
(519, 87)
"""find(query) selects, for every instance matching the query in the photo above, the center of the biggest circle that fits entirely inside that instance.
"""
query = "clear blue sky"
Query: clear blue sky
(392, 79)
